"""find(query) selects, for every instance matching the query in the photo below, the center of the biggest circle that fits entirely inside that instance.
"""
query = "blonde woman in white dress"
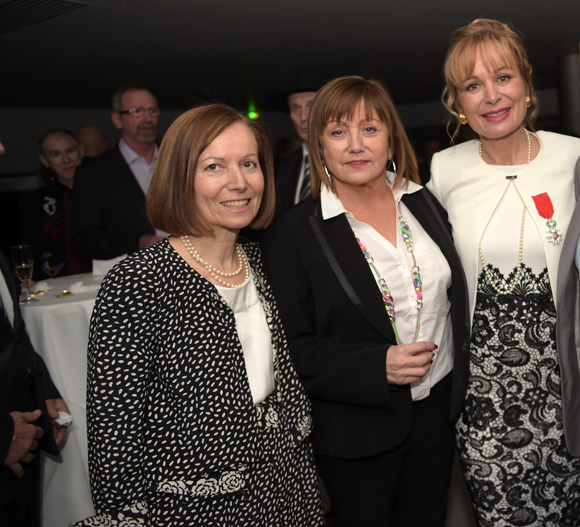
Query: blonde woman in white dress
(510, 197)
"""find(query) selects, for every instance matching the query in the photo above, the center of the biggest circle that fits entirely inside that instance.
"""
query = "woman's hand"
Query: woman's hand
(409, 362)
(54, 406)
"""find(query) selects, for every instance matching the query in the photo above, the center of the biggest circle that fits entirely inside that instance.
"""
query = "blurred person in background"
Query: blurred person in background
(109, 216)
(47, 212)
(92, 139)
(293, 172)
(29, 406)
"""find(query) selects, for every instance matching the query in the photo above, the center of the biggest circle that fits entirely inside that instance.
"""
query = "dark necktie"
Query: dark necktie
(305, 188)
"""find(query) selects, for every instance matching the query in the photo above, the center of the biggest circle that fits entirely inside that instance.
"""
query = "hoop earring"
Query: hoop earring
(393, 166)
(462, 118)
(528, 101)
(327, 175)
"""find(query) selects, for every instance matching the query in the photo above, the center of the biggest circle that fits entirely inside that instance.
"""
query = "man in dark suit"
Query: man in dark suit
(293, 172)
(29, 403)
(109, 216)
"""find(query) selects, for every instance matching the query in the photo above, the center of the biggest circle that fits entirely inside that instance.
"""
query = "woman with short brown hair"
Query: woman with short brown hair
(363, 276)
(172, 190)
(195, 413)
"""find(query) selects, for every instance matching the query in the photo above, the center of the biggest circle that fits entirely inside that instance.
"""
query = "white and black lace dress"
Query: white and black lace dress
(510, 434)
(175, 438)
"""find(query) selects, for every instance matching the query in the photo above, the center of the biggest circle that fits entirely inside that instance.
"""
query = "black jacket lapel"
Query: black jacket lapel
(124, 175)
(341, 249)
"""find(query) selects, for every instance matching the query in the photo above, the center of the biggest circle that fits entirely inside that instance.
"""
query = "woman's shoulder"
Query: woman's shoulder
(251, 248)
(151, 264)
(447, 164)
(457, 152)
(558, 151)
(553, 139)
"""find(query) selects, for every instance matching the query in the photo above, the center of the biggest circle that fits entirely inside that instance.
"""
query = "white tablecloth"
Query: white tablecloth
(58, 329)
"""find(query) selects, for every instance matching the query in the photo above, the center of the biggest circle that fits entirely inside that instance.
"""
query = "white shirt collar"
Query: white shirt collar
(131, 156)
(331, 205)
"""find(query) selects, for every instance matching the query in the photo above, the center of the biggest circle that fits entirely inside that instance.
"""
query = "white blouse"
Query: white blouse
(254, 336)
(394, 264)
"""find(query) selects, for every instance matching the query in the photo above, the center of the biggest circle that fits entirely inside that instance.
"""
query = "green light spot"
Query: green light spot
(252, 113)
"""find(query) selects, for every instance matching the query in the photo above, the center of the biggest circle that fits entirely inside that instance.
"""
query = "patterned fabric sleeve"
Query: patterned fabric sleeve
(121, 346)
(290, 389)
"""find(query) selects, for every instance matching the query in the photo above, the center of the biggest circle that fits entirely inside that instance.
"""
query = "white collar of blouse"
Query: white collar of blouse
(331, 205)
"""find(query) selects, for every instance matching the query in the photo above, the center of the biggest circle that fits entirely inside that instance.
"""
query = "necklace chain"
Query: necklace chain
(388, 300)
(511, 289)
(519, 269)
(216, 273)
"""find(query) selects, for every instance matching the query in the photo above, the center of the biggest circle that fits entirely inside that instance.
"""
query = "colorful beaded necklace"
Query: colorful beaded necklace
(388, 300)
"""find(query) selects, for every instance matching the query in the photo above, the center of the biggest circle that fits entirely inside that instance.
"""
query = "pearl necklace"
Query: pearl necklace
(511, 289)
(216, 273)
(529, 147)
(388, 300)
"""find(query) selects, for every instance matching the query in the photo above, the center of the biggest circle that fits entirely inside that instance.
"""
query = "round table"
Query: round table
(59, 329)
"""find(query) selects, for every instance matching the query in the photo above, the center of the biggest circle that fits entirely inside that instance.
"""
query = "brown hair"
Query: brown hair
(338, 100)
(488, 35)
(170, 201)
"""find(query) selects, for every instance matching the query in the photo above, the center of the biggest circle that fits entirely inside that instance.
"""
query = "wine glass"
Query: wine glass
(23, 264)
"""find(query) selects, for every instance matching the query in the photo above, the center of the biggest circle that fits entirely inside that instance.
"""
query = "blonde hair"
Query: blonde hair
(489, 36)
(339, 99)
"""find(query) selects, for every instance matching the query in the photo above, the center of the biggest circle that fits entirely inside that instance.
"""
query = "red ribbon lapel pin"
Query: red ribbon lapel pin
(546, 211)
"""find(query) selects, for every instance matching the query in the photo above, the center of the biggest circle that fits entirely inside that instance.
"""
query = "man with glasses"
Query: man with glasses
(109, 216)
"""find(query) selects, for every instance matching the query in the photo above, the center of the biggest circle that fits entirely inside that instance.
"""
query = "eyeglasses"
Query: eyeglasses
(140, 112)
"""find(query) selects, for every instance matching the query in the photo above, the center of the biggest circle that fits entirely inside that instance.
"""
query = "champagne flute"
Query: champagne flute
(23, 264)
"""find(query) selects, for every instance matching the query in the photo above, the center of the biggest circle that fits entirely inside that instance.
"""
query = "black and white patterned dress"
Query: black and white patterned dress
(174, 436)
(510, 434)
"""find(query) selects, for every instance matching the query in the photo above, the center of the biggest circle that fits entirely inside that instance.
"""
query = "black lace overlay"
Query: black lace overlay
(510, 434)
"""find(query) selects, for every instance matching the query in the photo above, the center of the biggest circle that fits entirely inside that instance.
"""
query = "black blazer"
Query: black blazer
(287, 176)
(25, 384)
(339, 331)
(109, 214)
